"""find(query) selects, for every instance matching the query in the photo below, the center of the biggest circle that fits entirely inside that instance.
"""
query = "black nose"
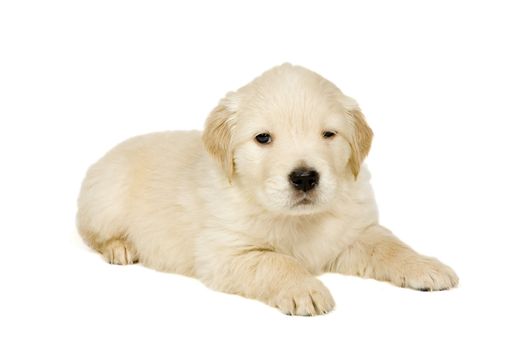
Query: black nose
(304, 179)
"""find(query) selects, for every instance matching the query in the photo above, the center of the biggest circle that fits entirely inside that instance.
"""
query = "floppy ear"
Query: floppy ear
(361, 137)
(217, 136)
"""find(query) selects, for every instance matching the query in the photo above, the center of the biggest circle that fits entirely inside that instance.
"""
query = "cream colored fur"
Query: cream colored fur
(219, 206)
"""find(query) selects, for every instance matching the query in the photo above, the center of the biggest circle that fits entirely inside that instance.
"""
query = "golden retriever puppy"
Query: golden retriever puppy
(271, 194)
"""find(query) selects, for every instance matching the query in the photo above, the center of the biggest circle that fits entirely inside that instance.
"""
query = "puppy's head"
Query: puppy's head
(290, 139)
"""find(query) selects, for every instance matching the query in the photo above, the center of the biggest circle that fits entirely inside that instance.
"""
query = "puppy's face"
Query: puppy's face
(290, 140)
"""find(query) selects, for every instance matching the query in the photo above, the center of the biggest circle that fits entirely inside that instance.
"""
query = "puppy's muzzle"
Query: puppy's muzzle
(303, 179)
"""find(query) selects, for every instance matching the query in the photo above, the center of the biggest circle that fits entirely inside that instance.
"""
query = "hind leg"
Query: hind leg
(104, 236)
(115, 249)
(119, 252)
(103, 210)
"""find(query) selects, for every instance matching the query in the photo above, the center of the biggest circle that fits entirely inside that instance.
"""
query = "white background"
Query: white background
(442, 85)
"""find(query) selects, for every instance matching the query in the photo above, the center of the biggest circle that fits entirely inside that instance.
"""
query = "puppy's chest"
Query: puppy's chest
(314, 244)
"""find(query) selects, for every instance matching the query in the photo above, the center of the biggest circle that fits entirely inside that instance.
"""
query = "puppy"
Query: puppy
(271, 194)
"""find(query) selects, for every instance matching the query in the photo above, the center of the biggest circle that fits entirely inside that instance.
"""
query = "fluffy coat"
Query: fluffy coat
(219, 206)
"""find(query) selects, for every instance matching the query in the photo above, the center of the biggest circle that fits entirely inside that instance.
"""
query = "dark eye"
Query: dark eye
(328, 134)
(264, 138)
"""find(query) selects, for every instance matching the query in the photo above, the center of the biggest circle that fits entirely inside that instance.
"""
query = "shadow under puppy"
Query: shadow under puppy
(271, 194)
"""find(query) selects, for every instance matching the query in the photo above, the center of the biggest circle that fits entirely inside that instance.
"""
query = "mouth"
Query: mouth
(303, 201)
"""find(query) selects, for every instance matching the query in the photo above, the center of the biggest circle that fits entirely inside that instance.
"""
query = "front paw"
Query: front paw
(425, 274)
(304, 298)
